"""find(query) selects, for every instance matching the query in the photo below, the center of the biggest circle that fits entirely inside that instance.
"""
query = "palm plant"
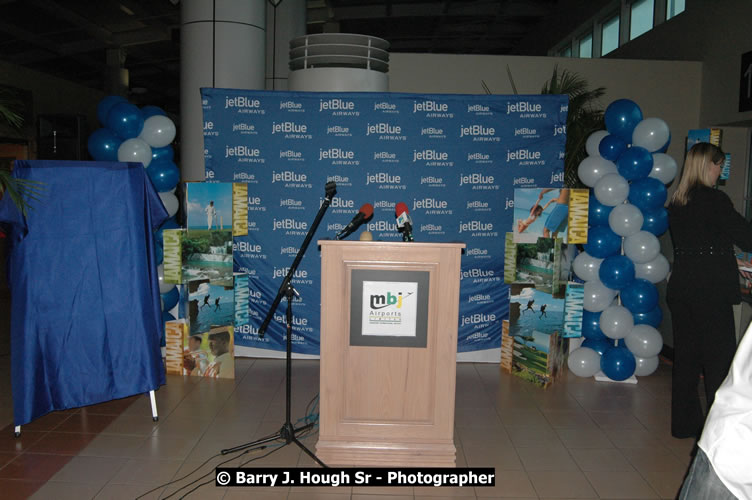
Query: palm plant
(583, 118)
(21, 191)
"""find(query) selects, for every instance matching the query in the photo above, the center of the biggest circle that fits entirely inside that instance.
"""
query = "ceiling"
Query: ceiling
(75, 39)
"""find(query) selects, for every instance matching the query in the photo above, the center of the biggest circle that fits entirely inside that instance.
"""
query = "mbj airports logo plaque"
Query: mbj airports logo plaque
(389, 308)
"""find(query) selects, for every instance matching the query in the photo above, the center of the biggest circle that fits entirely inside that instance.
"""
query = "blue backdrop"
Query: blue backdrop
(455, 160)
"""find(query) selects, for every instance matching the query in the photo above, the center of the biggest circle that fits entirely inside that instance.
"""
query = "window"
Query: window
(641, 18)
(586, 46)
(674, 7)
(610, 35)
(566, 51)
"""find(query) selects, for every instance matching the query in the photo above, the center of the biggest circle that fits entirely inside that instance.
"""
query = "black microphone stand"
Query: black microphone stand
(288, 432)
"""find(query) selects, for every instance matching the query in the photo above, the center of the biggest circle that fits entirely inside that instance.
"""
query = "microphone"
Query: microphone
(404, 222)
(365, 212)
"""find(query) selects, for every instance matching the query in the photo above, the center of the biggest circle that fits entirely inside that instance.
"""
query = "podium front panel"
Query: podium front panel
(389, 403)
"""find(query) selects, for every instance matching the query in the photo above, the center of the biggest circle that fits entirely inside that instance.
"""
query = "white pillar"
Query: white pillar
(283, 23)
(222, 45)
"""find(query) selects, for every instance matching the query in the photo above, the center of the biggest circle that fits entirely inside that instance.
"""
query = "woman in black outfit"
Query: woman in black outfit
(703, 286)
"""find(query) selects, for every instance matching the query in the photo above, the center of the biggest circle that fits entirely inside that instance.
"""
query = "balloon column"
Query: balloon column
(628, 170)
(144, 135)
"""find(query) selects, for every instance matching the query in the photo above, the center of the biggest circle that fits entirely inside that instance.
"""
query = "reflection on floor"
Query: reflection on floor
(577, 439)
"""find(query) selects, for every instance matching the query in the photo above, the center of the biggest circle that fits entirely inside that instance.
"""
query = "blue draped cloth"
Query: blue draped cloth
(85, 311)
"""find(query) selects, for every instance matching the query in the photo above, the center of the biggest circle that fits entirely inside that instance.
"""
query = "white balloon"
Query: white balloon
(584, 362)
(164, 287)
(170, 202)
(654, 271)
(616, 321)
(641, 247)
(135, 150)
(645, 366)
(597, 296)
(592, 168)
(593, 141)
(625, 219)
(586, 266)
(651, 134)
(664, 168)
(644, 341)
(611, 189)
(158, 131)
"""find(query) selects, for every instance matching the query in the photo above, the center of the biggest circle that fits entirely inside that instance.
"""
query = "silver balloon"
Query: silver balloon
(616, 321)
(597, 296)
(593, 141)
(164, 287)
(651, 134)
(170, 202)
(586, 266)
(592, 168)
(645, 366)
(641, 247)
(644, 341)
(625, 219)
(135, 150)
(654, 271)
(584, 362)
(611, 189)
(664, 168)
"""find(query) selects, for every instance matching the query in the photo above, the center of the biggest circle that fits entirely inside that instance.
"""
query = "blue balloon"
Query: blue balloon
(164, 154)
(611, 147)
(602, 242)
(125, 119)
(617, 271)
(655, 221)
(640, 296)
(170, 223)
(618, 363)
(621, 117)
(170, 298)
(647, 194)
(104, 106)
(103, 145)
(621, 343)
(164, 175)
(652, 317)
(599, 346)
(158, 252)
(167, 316)
(598, 212)
(591, 325)
(150, 110)
(635, 163)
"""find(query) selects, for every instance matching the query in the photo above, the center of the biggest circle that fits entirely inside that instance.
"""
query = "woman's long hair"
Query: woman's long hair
(696, 171)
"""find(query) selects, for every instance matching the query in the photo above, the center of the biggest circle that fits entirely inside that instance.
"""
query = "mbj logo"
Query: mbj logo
(523, 154)
(244, 246)
(241, 102)
(429, 203)
(523, 107)
(478, 318)
(382, 178)
(476, 179)
(562, 130)
(336, 105)
(429, 155)
(382, 301)
(288, 176)
(475, 225)
(383, 129)
(289, 128)
(336, 154)
(476, 130)
(430, 107)
(289, 224)
(241, 151)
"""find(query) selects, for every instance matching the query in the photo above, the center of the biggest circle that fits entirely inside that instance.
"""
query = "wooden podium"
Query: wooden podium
(389, 313)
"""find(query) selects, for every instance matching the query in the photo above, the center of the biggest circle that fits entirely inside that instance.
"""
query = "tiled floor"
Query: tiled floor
(577, 439)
